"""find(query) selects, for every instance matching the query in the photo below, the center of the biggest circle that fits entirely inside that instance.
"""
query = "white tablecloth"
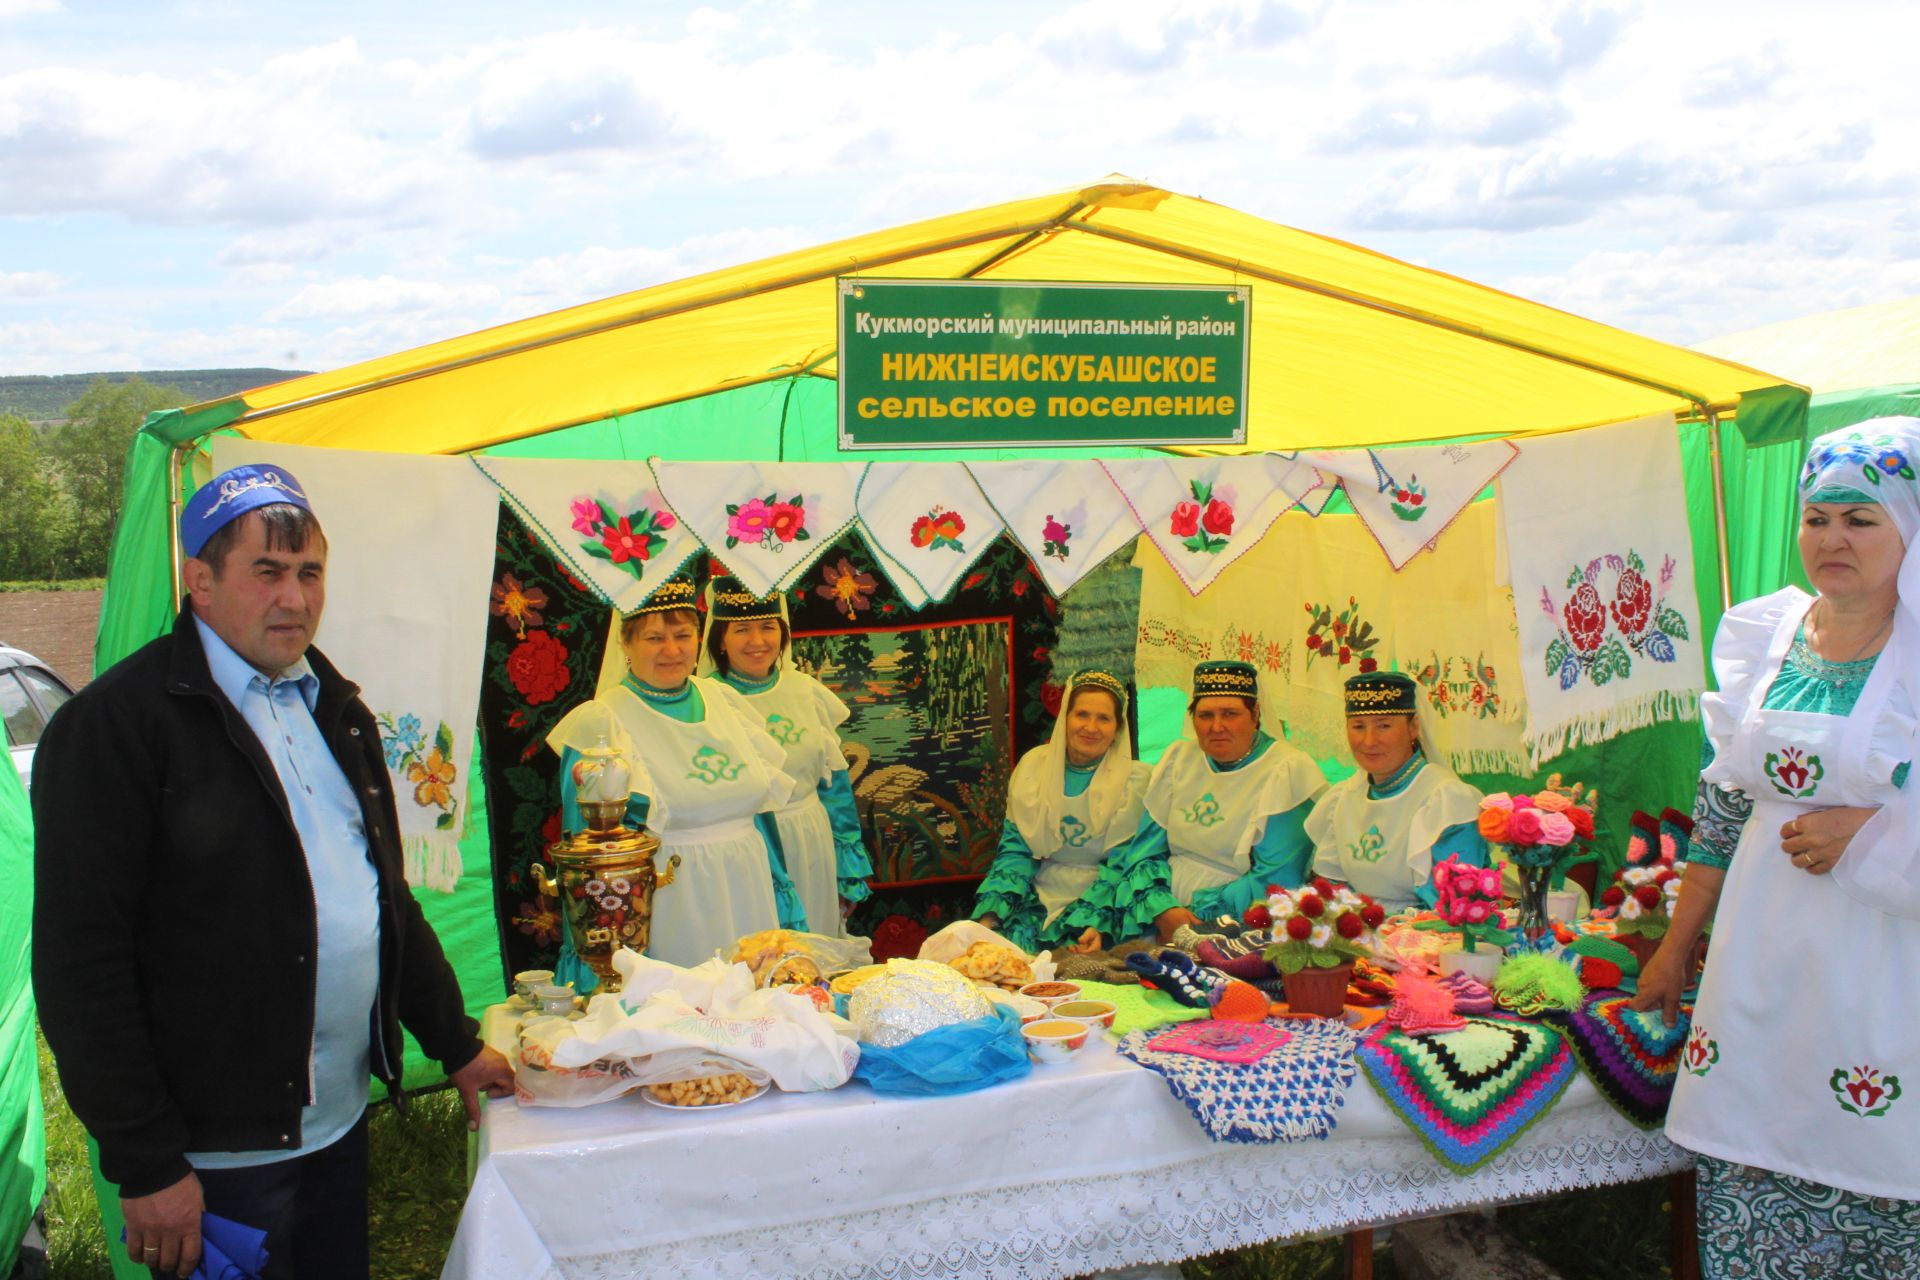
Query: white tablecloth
(1079, 1167)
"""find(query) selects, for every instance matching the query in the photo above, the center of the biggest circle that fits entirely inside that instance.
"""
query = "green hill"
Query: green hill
(45, 397)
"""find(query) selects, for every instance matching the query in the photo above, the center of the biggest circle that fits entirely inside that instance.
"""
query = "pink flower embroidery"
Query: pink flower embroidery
(586, 515)
(751, 521)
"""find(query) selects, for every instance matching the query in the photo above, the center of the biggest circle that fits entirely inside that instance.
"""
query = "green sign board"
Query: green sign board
(971, 363)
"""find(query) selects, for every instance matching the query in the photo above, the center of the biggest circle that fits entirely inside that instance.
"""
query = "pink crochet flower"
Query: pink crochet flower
(1524, 827)
(1498, 800)
(1552, 802)
(1556, 829)
(1523, 801)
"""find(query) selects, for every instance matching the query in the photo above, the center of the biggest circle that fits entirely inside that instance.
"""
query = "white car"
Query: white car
(30, 693)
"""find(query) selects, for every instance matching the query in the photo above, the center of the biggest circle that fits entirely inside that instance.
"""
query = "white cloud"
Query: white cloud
(360, 297)
(29, 284)
(1142, 36)
(1544, 49)
(11, 9)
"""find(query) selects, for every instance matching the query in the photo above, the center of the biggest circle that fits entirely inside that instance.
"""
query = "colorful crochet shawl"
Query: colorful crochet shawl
(1632, 1058)
(1467, 1094)
(1290, 1094)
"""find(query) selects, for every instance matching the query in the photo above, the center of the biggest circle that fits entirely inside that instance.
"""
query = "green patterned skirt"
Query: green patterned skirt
(1759, 1225)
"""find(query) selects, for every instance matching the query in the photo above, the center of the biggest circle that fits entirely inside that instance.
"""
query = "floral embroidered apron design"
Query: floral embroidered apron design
(1383, 848)
(1212, 819)
(1796, 1058)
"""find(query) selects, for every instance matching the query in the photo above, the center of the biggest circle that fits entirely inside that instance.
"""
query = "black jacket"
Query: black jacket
(174, 925)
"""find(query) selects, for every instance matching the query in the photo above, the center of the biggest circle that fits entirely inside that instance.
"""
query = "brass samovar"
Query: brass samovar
(603, 877)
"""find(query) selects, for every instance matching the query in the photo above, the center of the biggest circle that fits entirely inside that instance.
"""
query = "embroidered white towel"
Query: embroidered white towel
(766, 521)
(1064, 512)
(409, 568)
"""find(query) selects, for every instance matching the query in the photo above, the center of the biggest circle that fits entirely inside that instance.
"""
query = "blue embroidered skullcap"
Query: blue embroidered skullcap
(232, 494)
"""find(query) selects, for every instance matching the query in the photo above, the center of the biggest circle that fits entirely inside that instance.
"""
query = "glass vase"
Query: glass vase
(1534, 921)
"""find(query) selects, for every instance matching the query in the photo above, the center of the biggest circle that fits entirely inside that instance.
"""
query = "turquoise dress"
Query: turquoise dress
(1136, 882)
(1755, 1222)
(852, 866)
(1011, 891)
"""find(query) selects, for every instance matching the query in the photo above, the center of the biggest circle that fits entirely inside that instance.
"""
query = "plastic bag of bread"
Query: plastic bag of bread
(985, 956)
(787, 957)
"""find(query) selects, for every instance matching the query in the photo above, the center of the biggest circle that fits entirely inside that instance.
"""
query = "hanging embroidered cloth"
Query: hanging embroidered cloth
(1065, 513)
(409, 568)
(1602, 569)
(1467, 1094)
(1315, 603)
(928, 519)
(766, 521)
(1289, 1095)
(1205, 513)
(1632, 1058)
(1408, 497)
(606, 521)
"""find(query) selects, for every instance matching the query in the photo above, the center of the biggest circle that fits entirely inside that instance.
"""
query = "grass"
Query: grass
(418, 1183)
(62, 584)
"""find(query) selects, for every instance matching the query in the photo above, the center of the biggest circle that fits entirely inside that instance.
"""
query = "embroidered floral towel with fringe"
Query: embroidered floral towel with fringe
(1602, 570)
(766, 521)
(1287, 1096)
(409, 569)
(1408, 497)
(605, 521)
(1315, 603)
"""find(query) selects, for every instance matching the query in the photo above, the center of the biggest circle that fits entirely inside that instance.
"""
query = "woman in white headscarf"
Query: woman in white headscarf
(817, 834)
(1068, 804)
(1806, 858)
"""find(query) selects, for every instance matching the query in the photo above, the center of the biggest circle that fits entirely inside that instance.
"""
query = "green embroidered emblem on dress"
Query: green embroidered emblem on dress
(1793, 772)
(1204, 812)
(1074, 833)
(711, 766)
(1864, 1090)
(1371, 847)
(1701, 1053)
(784, 731)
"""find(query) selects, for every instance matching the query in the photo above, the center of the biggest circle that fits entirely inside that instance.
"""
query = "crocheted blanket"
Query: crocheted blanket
(1135, 1008)
(1632, 1058)
(1289, 1095)
(1467, 1094)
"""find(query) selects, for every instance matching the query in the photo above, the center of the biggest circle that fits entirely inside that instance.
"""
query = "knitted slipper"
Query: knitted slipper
(1228, 956)
(1155, 972)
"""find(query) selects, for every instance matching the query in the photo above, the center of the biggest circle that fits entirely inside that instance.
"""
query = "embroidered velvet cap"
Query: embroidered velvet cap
(732, 602)
(675, 593)
(1232, 679)
(1095, 679)
(1381, 693)
(230, 495)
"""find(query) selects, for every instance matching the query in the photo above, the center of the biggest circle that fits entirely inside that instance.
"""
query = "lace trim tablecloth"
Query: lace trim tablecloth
(1076, 1168)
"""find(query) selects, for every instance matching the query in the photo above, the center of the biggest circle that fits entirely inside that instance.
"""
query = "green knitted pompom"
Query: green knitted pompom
(1532, 983)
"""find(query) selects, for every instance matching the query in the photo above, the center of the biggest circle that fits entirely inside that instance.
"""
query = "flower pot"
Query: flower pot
(1482, 963)
(1322, 992)
(1642, 947)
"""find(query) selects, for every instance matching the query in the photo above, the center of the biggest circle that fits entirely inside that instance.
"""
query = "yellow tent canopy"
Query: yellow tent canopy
(1349, 347)
(1871, 346)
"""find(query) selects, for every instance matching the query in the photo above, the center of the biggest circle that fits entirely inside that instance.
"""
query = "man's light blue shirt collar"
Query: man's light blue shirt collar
(235, 675)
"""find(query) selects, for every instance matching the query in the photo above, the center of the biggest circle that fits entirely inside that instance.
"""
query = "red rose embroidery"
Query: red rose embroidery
(538, 668)
(1218, 518)
(1632, 602)
(1586, 618)
(1186, 520)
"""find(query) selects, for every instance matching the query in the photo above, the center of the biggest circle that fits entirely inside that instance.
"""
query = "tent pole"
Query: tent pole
(174, 457)
(1719, 507)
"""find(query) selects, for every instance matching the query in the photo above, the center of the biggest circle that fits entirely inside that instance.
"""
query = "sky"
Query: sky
(210, 184)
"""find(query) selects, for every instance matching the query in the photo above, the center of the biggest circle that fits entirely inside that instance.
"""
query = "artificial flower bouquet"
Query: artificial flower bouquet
(1642, 900)
(1542, 835)
(1319, 930)
(1467, 901)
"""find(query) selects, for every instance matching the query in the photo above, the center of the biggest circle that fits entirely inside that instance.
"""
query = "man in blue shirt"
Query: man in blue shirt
(225, 948)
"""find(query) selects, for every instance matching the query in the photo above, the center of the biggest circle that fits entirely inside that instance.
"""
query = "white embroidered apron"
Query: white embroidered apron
(1060, 878)
(1804, 1034)
(707, 782)
(1373, 840)
(1210, 817)
(794, 719)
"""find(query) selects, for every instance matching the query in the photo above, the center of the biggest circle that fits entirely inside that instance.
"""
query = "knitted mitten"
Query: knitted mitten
(1643, 839)
(1236, 957)
(1676, 835)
